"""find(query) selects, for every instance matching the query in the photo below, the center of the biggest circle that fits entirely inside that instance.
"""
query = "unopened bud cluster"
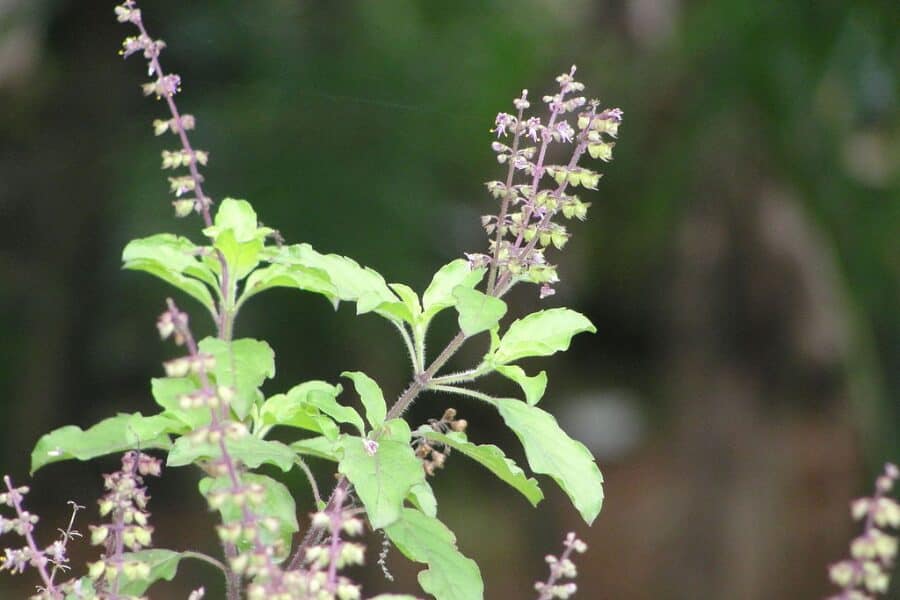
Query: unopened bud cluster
(525, 225)
(434, 455)
(166, 86)
(561, 569)
(867, 573)
(125, 507)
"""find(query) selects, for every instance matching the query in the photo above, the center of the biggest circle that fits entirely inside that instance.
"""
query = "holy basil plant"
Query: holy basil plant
(211, 409)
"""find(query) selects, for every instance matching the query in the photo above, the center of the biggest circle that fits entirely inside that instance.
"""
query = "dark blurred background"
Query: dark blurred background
(741, 260)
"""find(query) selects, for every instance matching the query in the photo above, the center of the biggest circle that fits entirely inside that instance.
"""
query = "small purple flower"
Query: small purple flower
(169, 85)
(502, 123)
(533, 128)
(565, 131)
(611, 114)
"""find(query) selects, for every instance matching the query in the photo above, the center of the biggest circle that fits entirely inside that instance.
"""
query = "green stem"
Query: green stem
(462, 376)
(205, 558)
(452, 389)
(410, 346)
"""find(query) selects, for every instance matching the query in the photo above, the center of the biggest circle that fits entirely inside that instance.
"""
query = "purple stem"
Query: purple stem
(504, 205)
(554, 574)
(225, 318)
(38, 559)
(506, 282)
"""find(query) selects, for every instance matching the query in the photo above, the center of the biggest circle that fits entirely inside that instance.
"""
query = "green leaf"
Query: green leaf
(117, 434)
(353, 282)
(328, 404)
(492, 458)
(397, 430)
(239, 217)
(175, 260)
(394, 597)
(552, 452)
(241, 257)
(439, 294)
(319, 446)
(167, 391)
(295, 409)
(541, 334)
(424, 539)
(477, 311)
(408, 309)
(382, 479)
(289, 276)
(243, 365)
(371, 396)
(278, 504)
(235, 233)
(163, 565)
(534, 386)
(249, 449)
(422, 497)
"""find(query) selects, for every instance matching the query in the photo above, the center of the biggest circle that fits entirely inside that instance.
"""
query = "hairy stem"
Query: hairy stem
(312, 480)
(410, 347)
(462, 391)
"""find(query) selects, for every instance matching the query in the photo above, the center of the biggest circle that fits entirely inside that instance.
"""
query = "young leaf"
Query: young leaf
(439, 294)
(278, 504)
(237, 236)
(552, 452)
(163, 565)
(352, 282)
(409, 308)
(541, 334)
(295, 409)
(382, 473)
(477, 311)
(492, 458)
(167, 391)
(371, 396)
(534, 386)
(250, 450)
(243, 365)
(175, 260)
(241, 257)
(326, 401)
(116, 434)
(239, 217)
(424, 539)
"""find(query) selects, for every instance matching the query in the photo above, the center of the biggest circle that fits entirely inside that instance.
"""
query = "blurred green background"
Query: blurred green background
(741, 260)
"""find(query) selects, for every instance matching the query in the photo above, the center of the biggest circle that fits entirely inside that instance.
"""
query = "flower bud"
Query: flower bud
(99, 534)
(183, 207)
